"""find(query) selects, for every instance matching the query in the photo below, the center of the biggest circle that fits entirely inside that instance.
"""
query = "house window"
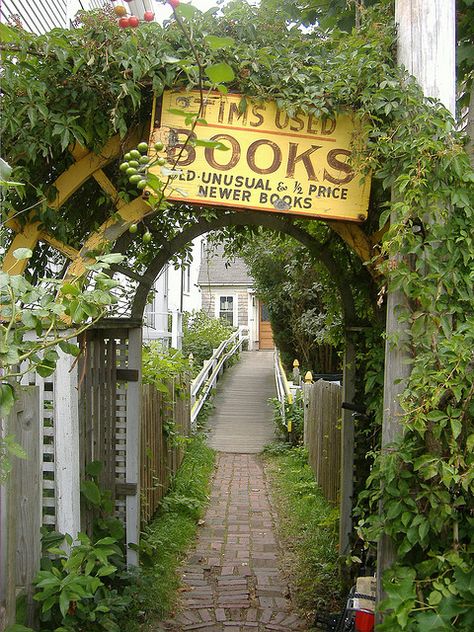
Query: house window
(187, 279)
(264, 315)
(226, 308)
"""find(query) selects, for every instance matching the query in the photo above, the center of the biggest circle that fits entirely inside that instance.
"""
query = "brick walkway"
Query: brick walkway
(231, 577)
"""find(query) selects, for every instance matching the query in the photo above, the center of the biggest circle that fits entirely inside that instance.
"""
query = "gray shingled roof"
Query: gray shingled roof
(213, 270)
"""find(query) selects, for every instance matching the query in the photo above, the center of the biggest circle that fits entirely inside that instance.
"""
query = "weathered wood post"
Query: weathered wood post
(296, 373)
(66, 446)
(347, 448)
(133, 443)
(426, 47)
(308, 380)
(20, 509)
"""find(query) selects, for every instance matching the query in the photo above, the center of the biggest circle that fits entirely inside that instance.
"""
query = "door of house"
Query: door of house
(265, 333)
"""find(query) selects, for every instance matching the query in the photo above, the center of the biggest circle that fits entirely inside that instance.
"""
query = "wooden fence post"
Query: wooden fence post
(133, 444)
(296, 373)
(347, 449)
(20, 518)
(306, 412)
(426, 47)
(66, 446)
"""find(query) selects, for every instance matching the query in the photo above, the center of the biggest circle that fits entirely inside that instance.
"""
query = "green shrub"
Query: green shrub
(169, 372)
(169, 535)
(308, 528)
(84, 586)
(294, 412)
(202, 334)
(161, 365)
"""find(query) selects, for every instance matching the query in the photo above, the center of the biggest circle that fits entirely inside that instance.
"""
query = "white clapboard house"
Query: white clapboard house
(227, 292)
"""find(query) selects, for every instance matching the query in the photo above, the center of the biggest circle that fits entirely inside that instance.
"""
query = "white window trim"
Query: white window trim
(187, 280)
(235, 310)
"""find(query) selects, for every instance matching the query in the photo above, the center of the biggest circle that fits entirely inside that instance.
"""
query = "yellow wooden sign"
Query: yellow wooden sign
(273, 162)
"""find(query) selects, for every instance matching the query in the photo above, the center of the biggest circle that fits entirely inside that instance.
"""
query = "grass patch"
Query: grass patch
(169, 535)
(307, 527)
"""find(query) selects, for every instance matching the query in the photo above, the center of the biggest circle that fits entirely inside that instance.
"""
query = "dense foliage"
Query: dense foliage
(86, 84)
(293, 419)
(299, 296)
(169, 535)
(308, 529)
(161, 365)
(86, 588)
(202, 334)
(37, 322)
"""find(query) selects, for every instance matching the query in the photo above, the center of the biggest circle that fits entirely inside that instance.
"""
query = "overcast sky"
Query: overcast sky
(202, 5)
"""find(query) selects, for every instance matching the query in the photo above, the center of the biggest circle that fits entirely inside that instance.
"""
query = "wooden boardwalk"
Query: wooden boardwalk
(242, 418)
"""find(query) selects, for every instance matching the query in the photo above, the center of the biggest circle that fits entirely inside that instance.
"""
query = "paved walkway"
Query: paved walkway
(231, 577)
(242, 418)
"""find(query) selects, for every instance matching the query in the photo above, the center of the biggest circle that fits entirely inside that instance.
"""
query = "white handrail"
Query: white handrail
(205, 381)
(284, 393)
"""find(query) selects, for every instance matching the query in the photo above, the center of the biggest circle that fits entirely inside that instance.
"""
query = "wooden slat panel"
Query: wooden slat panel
(323, 435)
(20, 506)
(159, 460)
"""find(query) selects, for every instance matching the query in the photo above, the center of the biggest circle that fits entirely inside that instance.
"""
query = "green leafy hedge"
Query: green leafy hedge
(202, 334)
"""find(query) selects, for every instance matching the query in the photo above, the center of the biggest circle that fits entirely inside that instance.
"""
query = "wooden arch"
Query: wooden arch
(243, 218)
(90, 165)
(87, 165)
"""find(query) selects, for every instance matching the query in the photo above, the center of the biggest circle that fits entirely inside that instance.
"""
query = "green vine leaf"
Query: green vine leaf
(220, 73)
(91, 492)
(7, 399)
(5, 169)
(94, 468)
(186, 11)
(216, 43)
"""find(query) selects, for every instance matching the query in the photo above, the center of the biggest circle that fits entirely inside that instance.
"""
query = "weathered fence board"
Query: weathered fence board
(322, 434)
(160, 457)
(20, 523)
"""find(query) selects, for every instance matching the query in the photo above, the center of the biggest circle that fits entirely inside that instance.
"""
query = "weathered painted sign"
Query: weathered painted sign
(273, 162)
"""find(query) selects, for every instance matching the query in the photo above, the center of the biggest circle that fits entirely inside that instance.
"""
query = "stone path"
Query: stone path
(231, 577)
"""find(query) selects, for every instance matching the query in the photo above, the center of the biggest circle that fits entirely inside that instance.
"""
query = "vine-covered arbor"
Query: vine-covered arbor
(83, 99)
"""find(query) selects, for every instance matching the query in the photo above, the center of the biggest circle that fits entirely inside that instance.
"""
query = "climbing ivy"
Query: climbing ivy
(86, 84)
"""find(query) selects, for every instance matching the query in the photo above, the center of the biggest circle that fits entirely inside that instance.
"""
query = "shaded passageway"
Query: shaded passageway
(232, 577)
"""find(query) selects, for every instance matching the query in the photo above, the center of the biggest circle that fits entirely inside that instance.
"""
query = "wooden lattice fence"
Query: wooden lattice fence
(95, 409)
(86, 411)
(109, 421)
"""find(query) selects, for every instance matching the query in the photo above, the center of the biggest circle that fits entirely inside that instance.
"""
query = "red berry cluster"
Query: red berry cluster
(125, 21)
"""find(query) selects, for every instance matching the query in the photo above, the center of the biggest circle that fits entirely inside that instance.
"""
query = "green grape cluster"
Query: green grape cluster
(137, 162)
(135, 166)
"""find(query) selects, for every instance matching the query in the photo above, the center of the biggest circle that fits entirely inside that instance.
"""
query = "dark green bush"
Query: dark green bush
(202, 334)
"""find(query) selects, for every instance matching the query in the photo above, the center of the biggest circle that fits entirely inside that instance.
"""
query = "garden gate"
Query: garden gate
(86, 411)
